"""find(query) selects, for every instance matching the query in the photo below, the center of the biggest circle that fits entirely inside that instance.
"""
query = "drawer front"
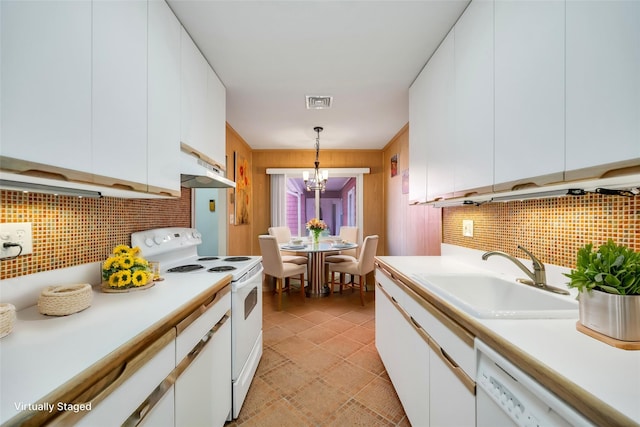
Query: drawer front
(194, 327)
(390, 286)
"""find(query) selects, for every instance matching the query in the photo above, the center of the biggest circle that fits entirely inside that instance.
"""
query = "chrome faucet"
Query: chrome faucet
(537, 277)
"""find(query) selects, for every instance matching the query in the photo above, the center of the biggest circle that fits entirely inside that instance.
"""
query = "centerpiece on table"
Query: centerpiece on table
(316, 227)
(126, 271)
(608, 281)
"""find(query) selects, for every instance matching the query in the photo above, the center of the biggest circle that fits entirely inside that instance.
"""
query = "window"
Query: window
(339, 205)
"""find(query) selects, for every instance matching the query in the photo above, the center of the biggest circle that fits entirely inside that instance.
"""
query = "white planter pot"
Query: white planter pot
(616, 316)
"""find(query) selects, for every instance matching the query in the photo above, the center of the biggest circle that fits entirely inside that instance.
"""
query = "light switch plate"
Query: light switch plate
(16, 232)
(467, 227)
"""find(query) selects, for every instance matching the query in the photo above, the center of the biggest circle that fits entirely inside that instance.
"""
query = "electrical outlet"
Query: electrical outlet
(15, 232)
(467, 227)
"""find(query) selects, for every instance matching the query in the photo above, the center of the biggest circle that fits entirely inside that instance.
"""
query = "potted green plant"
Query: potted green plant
(608, 281)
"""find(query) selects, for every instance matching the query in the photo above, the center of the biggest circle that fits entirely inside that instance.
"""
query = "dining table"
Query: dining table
(316, 253)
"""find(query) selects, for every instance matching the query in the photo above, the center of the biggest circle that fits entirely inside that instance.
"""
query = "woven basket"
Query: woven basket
(7, 318)
(65, 299)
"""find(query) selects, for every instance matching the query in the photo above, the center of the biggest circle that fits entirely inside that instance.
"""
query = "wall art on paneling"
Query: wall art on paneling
(243, 189)
(394, 165)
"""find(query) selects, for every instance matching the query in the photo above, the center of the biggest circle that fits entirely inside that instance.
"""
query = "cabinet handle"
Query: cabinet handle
(202, 308)
(465, 379)
(416, 326)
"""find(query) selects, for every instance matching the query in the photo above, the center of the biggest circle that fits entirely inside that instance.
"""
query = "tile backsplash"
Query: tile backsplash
(68, 231)
(552, 229)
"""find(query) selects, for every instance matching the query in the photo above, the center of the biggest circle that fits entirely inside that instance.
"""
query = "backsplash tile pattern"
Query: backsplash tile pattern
(552, 229)
(68, 231)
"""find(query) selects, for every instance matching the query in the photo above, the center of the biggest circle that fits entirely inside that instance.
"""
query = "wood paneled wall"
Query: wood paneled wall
(239, 236)
(410, 230)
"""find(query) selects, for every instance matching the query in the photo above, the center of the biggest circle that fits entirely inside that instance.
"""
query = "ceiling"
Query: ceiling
(271, 54)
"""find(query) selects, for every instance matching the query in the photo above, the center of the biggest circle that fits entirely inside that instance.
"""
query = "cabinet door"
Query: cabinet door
(603, 84)
(439, 121)
(46, 82)
(203, 391)
(408, 369)
(529, 92)
(446, 388)
(164, 99)
(193, 94)
(162, 414)
(120, 91)
(216, 118)
(474, 99)
(417, 141)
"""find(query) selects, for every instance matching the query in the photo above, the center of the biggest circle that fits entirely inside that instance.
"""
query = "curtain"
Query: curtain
(278, 200)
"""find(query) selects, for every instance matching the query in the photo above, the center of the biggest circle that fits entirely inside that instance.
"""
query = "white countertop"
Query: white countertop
(611, 375)
(44, 352)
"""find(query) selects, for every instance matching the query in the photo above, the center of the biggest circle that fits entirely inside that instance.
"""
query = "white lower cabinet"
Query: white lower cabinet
(203, 391)
(434, 389)
(452, 403)
(405, 356)
(203, 353)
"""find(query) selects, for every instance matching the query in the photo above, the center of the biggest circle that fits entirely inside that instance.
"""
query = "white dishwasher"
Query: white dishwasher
(506, 396)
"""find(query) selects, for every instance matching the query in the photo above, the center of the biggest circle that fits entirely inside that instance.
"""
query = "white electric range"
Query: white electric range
(176, 249)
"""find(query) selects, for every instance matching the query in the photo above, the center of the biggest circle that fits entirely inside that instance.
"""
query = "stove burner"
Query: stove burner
(185, 268)
(237, 259)
(221, 268)
(208, 258)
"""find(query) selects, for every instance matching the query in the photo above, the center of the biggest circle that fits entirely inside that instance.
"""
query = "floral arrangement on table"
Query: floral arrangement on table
(316, 227)
(126, 269)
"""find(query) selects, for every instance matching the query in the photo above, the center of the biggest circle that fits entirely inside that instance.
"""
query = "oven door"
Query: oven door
(246, 318)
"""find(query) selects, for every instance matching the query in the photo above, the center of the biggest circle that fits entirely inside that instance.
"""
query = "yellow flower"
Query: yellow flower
(140, 261)
(139, 278)
(125, 261)
(121, 249)
(125, 277)
(110, 263)
(134, 251)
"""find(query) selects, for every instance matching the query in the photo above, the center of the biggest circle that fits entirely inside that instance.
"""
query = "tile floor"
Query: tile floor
(320, 367)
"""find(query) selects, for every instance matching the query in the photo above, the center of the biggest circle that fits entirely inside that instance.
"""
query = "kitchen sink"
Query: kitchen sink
(489, 297)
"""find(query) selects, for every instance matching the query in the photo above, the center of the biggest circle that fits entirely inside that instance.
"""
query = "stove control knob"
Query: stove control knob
(148, 241)
(158, 239)
(196, 235)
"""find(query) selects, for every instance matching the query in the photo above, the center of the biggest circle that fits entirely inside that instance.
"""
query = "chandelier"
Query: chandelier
(319, 180)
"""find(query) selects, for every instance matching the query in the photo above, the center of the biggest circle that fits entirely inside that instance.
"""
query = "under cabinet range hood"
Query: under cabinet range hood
(196, 173)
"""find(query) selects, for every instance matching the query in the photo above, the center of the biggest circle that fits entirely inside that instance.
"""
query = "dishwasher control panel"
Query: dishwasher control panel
(518, 396)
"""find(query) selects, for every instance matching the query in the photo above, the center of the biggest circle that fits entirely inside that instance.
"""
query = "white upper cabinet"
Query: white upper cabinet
(473, 162)
(203, 104)
(120, 92)
(46, 82)
(216, 117)
(603, 85)
(417, 141)
(439, 120)
(164, 98)
(193, 94)
(529, 92)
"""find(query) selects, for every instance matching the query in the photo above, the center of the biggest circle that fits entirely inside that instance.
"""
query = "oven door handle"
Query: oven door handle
(247, 281)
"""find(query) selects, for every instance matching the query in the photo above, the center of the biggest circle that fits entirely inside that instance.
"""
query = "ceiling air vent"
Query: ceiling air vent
(318, 102)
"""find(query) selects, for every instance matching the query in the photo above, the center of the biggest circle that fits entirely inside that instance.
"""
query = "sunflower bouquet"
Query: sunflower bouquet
(125, 268)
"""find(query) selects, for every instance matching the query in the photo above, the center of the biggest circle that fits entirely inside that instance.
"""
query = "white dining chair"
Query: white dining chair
(283, 235)
(281, 271)
(347, 234)
(358, 269)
